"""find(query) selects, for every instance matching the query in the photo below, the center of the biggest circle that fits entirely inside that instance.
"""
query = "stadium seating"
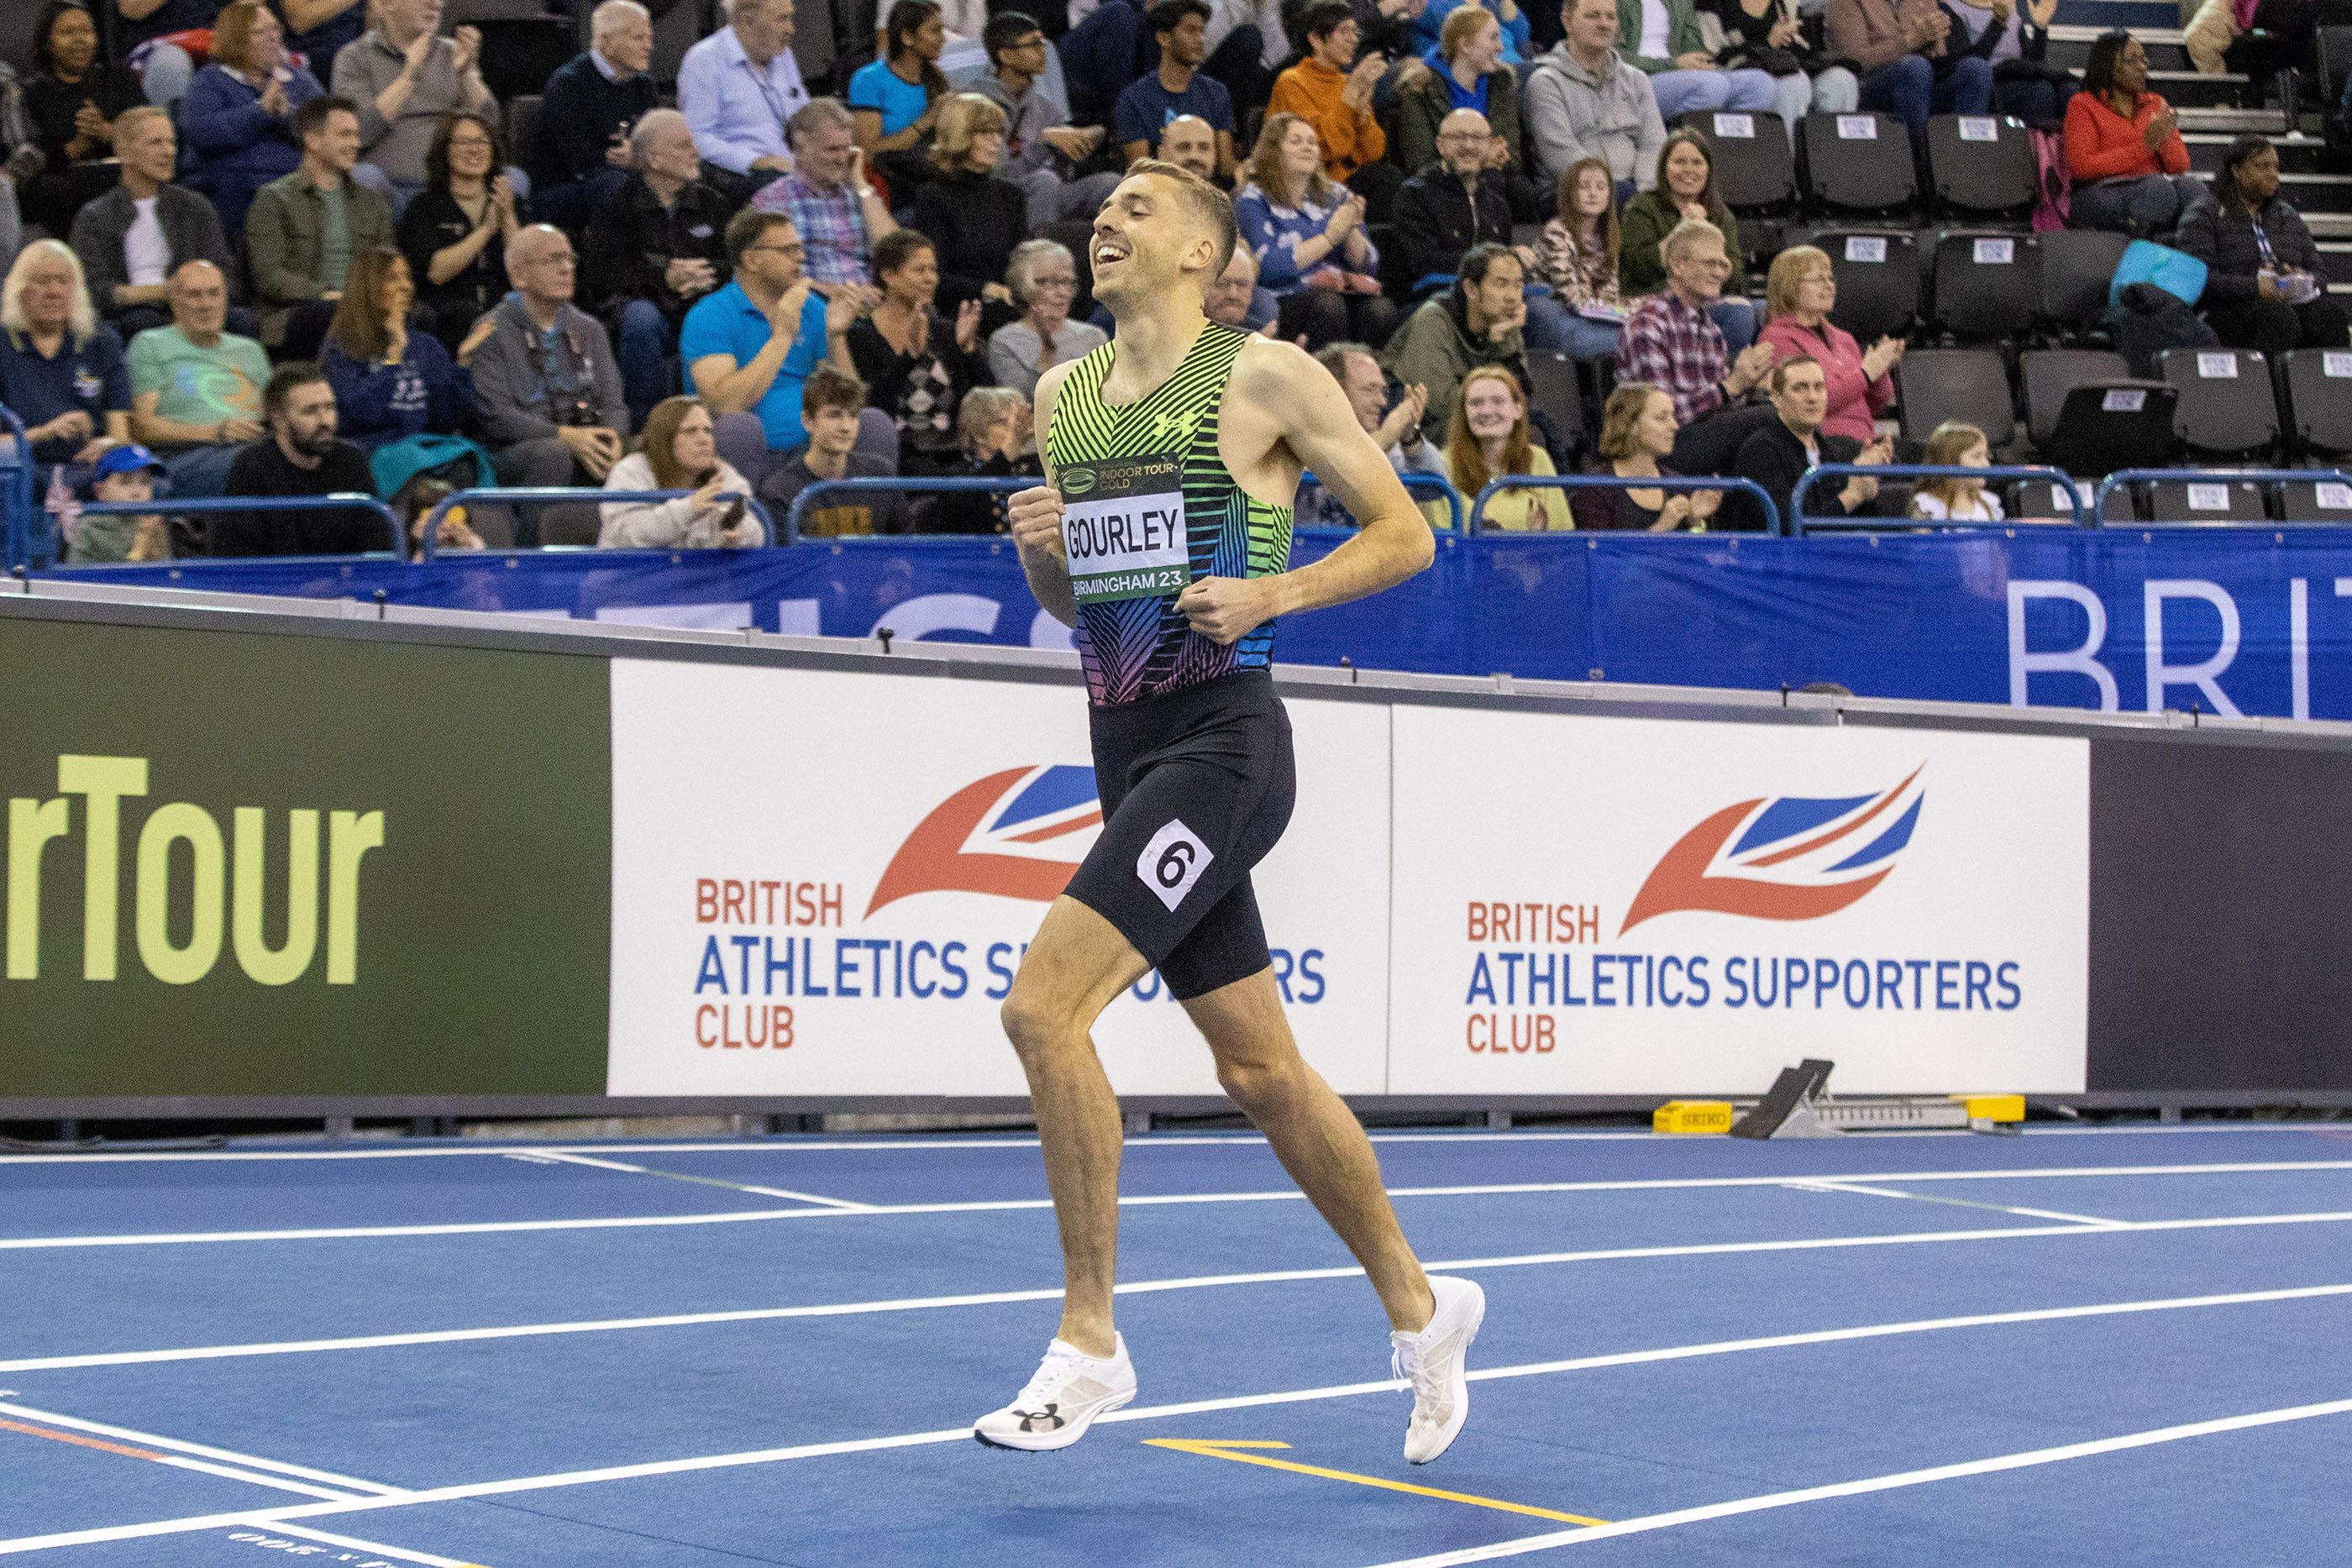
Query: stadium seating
(1982, 167)
(1877, 273)
(2319, 401)
(1978, 280)
(1933, 385)
(1857, 165)
(2205, 501)
(2077, 266)
(2227, 409)
(1754, 170)
(1553, 391)
(2086, 414)
(2319, 501)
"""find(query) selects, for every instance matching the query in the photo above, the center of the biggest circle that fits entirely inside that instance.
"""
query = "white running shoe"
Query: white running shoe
(1434, 1361)
(1070, 1390)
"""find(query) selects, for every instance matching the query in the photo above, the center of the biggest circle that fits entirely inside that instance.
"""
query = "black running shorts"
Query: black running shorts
(1196, 787)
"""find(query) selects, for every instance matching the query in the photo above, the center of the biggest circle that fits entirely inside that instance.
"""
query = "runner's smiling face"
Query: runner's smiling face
(1145, 242)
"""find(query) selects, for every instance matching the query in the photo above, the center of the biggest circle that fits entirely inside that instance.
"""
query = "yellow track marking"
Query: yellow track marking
(1226, 1449)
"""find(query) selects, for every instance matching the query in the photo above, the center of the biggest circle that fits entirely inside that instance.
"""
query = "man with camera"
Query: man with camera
(545, 381)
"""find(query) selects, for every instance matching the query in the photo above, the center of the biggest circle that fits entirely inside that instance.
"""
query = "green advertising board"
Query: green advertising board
(256, 863)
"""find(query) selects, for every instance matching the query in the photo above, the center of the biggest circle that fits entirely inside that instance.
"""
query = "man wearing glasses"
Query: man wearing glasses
(1672, 343)
(1040, 146)
(545, 381)
(749, 347)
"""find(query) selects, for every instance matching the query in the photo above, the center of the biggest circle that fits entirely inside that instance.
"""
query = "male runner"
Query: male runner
(1172, 454)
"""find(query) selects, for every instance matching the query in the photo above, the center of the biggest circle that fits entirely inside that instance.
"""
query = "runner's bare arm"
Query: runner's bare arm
(1035, 516)
(1305, 409)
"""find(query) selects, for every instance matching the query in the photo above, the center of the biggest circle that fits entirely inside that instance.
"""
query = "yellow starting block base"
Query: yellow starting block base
(1696, 1116)
(1993, 1107)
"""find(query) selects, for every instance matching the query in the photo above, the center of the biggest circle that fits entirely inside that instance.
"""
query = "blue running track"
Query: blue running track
(2075, 1347)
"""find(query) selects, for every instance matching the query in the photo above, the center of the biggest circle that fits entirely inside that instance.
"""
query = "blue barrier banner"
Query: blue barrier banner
(2252, 620)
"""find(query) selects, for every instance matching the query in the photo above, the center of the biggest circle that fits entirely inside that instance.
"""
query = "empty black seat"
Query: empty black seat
(2319, 400)
(1982, 166)
(2045, 501)
(1754, 170)
(2316, 501)
(1553, 392)
(2077, 264)
(1877, 275)
(2226, 407)
(2046, 375)
(2205, 501)
(1979, 283)
(1858, 163)
(1932, 385)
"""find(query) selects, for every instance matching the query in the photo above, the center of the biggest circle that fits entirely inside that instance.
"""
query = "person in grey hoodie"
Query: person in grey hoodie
(1584, 101)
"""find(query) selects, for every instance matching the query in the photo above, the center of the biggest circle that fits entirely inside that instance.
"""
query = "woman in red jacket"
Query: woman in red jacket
(2123, 150)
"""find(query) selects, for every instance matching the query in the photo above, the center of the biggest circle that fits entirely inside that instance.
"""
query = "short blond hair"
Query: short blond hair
(1684, 234)
(1789, 271)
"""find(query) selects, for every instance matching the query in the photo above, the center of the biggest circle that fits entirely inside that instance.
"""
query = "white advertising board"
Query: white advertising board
(1620, 907)
(823, 883)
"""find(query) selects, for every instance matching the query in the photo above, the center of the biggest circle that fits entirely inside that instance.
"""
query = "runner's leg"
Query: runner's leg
(1077, 966)
(1315, 1137)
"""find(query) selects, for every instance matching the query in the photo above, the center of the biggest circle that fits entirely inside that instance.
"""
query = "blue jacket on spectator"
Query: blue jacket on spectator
(577, 119)
(234, 147)
(376, 403)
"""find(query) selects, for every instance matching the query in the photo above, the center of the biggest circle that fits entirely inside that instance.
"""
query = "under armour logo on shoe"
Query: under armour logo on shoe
(1045, 1420)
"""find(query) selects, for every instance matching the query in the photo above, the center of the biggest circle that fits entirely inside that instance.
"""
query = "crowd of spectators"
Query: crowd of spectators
(276, 245)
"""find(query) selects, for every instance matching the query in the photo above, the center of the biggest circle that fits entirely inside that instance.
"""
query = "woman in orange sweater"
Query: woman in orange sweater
(2123, 151)
(1331, 88)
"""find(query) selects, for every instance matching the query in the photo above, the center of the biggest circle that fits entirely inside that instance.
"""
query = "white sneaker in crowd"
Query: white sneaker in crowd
(1434, 1362)
(1056, 1406)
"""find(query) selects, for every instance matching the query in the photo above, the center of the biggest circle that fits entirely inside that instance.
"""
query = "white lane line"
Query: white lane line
(1132, 1288)
(2025, 1460)
(604, 1165)
(199, 1450)
(179, 1462)
(1858, 1189)
(377, 1548)
(567, 1479)
(1286, 1195)
(925, 1143)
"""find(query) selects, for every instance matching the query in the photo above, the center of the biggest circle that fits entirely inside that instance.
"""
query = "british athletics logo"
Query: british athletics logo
(992, 836)
(1785, 857)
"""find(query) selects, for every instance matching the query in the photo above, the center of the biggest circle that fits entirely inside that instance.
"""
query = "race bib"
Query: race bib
(1123, 527)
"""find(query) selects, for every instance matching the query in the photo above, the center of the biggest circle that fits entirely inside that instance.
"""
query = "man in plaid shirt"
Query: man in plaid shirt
(840, 217)
(1672, 344)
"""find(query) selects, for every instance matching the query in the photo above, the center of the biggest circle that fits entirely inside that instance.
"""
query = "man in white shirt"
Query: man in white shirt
(131, 239)
(737, 88)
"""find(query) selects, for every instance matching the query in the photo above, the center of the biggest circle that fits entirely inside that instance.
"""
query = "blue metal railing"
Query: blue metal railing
(16, 501)
(944, 484)
(2122, 476)
(1798, 522)
(564, 496)
(1747, 488)
(1434, 487)
(211, 505)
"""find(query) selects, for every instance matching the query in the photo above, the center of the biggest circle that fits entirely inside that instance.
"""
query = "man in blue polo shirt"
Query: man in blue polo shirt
(1177, 87)
(749, 347)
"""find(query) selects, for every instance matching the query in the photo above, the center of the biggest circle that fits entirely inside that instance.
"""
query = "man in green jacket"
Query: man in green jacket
(1476, 322)
(305, 228)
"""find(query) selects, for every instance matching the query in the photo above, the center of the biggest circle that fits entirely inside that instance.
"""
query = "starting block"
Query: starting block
(1799, 1105)
(1693, 1116)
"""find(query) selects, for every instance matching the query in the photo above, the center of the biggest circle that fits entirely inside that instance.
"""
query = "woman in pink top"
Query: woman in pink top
(1801, 291)
(2123, 150)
